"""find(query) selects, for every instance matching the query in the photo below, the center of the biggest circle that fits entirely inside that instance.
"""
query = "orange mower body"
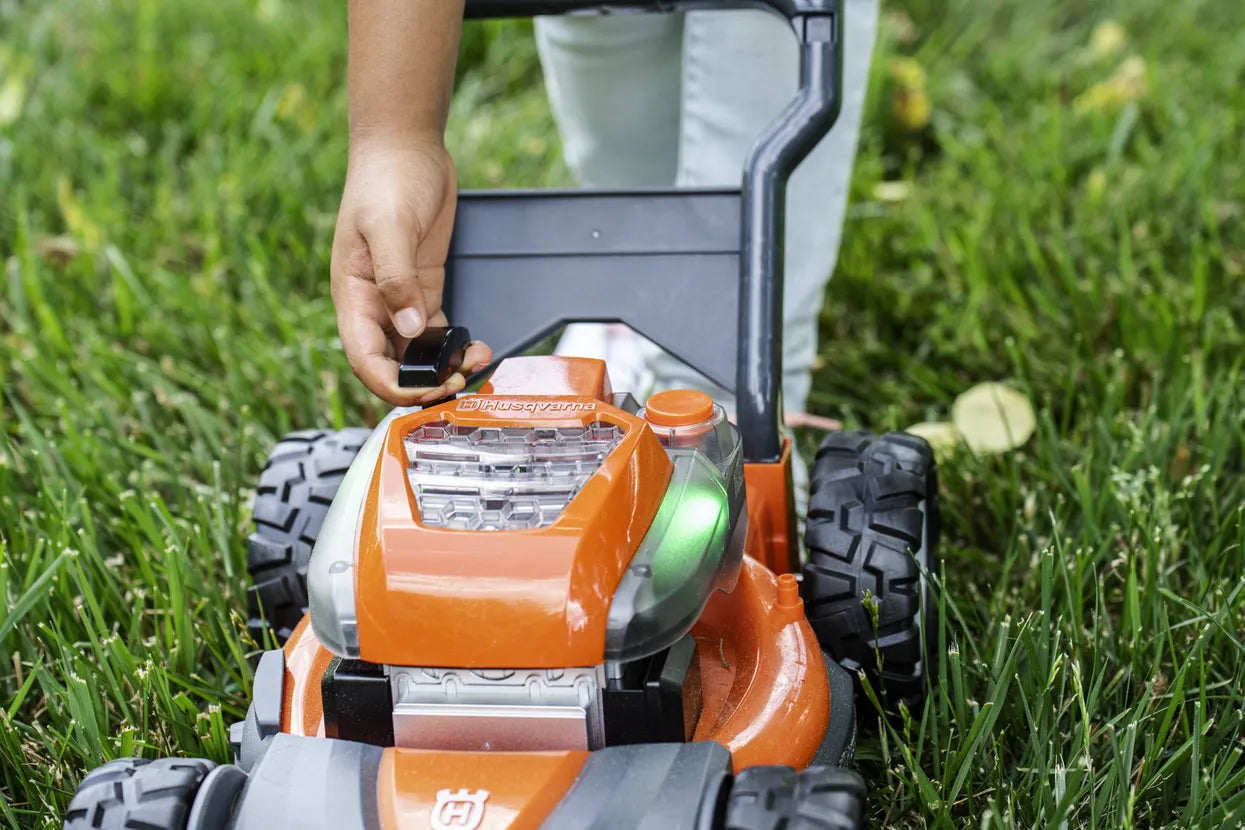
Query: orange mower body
(470, 591)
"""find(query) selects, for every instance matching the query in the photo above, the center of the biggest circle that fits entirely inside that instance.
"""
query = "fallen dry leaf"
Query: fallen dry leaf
(892, 191)
(57, 250)
(1129, 82)
(1107, 38)
(910, 102)
(941, 435)
(993, 418)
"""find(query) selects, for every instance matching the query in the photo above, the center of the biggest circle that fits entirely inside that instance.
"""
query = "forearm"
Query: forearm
(401, 72)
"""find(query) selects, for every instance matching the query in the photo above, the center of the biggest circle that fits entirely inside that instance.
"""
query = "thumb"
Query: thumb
(393, 248)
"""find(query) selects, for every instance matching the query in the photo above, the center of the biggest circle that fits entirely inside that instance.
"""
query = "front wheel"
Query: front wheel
(779, 798)
(872, 537)
(137, 794)
(294, 493)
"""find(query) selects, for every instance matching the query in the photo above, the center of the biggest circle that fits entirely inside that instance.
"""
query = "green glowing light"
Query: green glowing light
(698, 525)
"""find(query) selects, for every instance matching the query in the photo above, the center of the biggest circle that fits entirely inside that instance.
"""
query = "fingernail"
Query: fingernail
(408, 322)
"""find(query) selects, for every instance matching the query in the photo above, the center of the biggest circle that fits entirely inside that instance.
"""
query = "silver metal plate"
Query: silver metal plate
(514, 728)
(499, 709)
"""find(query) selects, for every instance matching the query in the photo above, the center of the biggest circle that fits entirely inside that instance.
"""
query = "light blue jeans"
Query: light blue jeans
(677, 99)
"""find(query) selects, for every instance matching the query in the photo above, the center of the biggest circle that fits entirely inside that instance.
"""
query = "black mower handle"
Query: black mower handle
(537, 287)
(534, 8)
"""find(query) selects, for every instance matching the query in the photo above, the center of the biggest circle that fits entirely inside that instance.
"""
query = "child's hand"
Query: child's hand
(388, 266)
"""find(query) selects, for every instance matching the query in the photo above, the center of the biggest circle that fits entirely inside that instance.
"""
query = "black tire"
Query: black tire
(779, 798)
(295, 490)
(137, 794)
(873, 526)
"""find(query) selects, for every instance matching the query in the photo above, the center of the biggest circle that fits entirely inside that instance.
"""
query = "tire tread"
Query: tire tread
(137, 794)
(873, 501)
(295, 490)
(779, 798)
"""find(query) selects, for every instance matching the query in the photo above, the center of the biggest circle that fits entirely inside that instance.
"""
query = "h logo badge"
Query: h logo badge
(458, 809)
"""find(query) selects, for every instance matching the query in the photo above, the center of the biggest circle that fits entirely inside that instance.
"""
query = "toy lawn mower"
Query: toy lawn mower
(547, 605)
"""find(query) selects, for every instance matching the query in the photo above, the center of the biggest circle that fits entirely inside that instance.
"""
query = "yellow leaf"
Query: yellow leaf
(1096, 185)
(268, 10)
(57, 250)
(12, 99)
(1107, 38)
(993, 418)
(75, 218)
(941, 435)
(900, 26)
(907, 73)
(1129, 82)
(892, 191)
(293, 98)
(911, 108)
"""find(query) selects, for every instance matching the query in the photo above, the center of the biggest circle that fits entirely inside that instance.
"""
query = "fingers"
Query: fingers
(383, 302)
(477, 357)
(393, 250)
(362, 321)
(371, 348)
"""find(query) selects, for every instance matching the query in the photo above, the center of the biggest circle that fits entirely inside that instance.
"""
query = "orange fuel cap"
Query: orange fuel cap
(678, 408)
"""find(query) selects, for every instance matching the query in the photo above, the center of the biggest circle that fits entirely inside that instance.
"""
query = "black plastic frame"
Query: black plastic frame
(529, 262)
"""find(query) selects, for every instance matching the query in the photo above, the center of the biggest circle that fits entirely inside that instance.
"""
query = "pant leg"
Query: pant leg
(740, 68)
(614, 85)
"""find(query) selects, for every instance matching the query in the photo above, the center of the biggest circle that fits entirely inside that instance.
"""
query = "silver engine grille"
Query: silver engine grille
(508, 478)
(504, 710)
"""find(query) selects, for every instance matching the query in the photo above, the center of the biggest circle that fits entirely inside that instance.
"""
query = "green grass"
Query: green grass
(168, 179)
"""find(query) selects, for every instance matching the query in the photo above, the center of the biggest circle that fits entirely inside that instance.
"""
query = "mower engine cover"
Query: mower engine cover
(540, 524)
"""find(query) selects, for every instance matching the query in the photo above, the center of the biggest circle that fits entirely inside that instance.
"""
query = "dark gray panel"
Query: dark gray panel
(263, 718)
(214, 803)
(549, 223)
(311, 784)
(686, 303)
(645, 787)
(267, 691)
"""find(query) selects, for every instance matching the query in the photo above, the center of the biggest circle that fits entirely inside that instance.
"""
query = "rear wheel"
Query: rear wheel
(294, 493)
(872, 534)
(137, 794)
(779, 798)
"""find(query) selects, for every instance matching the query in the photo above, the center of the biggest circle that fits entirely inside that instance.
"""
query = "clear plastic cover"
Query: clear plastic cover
(717, 438)
(694, 545)
(502, 478)
(331, 571)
